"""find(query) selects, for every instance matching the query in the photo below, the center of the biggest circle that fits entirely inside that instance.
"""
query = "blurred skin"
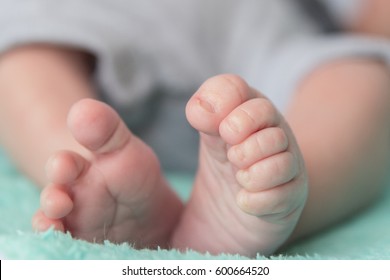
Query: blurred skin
(339, 80)
(38, 85)
(373, 19)
(340, 117)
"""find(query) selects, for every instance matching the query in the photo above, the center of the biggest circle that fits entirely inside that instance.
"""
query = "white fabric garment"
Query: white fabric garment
(344, 11)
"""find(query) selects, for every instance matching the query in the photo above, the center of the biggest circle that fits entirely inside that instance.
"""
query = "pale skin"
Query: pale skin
(264, 178)
(372, 19)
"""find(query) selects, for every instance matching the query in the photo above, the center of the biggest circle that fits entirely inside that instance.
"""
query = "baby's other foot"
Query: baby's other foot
(115, 191)
(251, 184)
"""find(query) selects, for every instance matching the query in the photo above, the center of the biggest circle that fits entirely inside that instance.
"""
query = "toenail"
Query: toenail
(39, 224)
(242, 200)
(243, 176)
(240, 155)
(234, 125)
(206, 106)
(49, 165)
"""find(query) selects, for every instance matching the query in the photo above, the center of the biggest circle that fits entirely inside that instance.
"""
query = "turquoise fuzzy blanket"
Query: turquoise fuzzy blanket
(366, 236)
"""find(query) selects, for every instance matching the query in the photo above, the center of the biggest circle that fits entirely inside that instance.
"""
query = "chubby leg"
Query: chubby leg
(340, 116)
(115, 192)
(251, 184)
(34, 103)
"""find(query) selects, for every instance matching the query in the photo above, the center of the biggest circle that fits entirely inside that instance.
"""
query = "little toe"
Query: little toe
(214, 100)
(55, 202)
(97, 126)
(275, 203)
(40, 222)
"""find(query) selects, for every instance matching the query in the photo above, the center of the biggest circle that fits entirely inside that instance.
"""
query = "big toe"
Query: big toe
(96, 126)
(214, 100)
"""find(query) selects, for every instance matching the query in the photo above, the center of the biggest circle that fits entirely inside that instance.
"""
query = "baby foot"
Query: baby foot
(251, 183)
(115, 191)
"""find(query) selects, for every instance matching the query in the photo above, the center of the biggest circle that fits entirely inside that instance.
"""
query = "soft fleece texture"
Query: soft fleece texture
(366, 236)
